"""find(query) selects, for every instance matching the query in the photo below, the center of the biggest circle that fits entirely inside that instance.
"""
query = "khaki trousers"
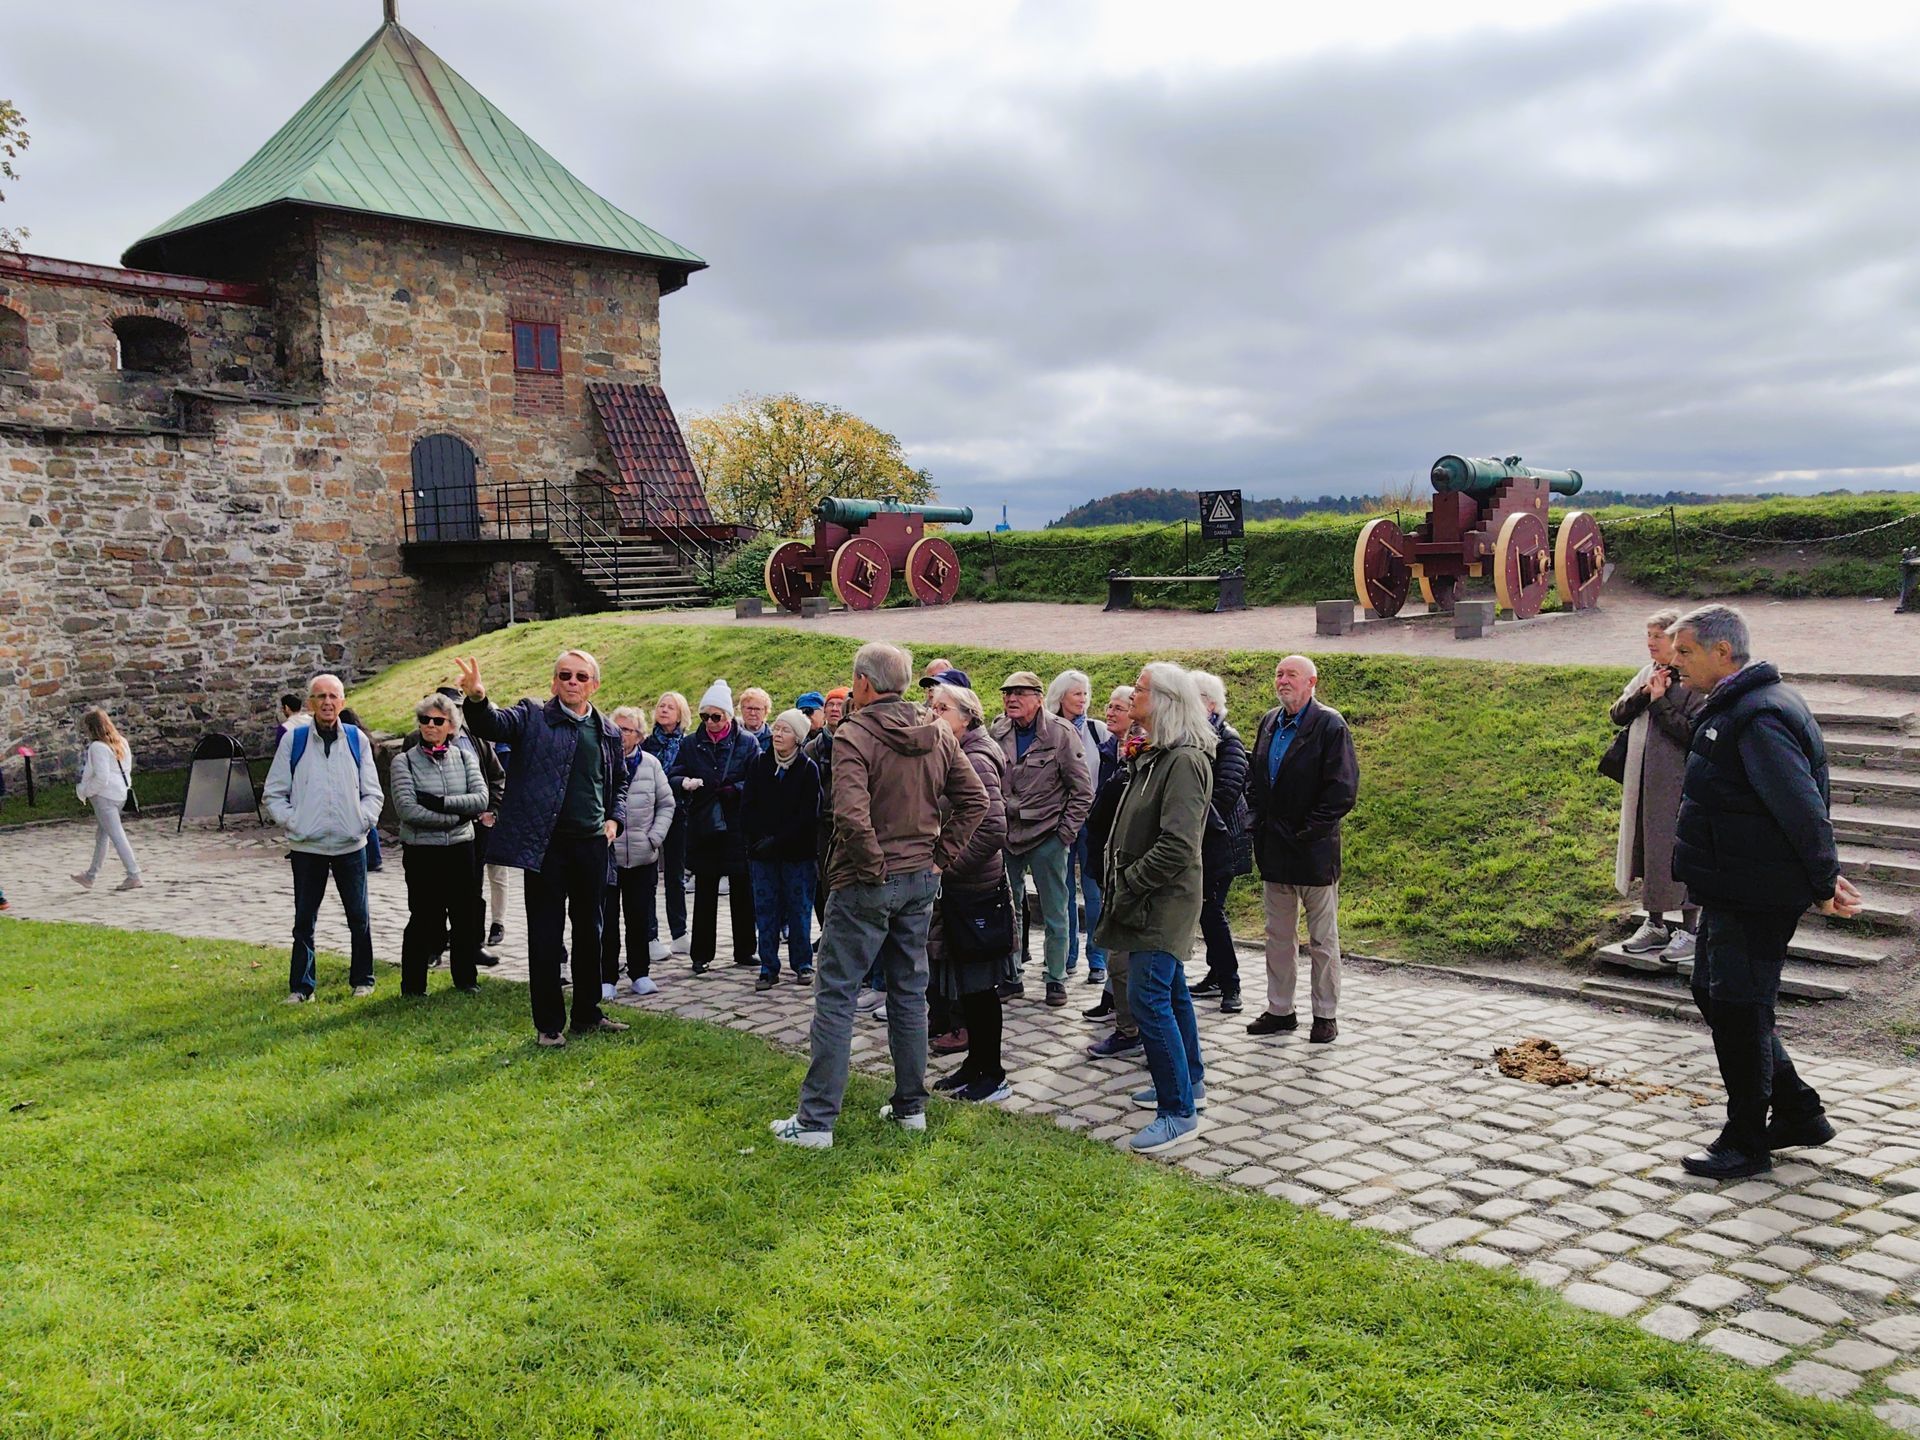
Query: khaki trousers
(1283, 905)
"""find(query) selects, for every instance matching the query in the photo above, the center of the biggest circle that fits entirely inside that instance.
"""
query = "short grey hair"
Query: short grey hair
(1663, 620)
(328, 676)
(592, 664)
(963, 697)
(1711, 624)
(1313, 670)
(1065, 682)
(1120, 693)
(629, 712)
(888, 668)
(1213, 691)
(1179, 715)
(438, 704)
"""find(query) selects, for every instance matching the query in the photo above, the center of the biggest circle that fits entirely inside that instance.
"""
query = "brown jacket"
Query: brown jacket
(892, 764)
(1048, 791)
(982, 863)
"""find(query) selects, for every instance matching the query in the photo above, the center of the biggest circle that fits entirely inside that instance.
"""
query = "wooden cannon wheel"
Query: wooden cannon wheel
(1579, 561)
(1381, 574)
(788, 582)
(933, 571)
(1522, 565)
(861, 573)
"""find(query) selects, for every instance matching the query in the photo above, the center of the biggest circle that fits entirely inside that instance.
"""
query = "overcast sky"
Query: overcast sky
(1071, 246)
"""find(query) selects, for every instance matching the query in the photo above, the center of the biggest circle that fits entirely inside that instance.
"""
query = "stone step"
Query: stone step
(1883, 908)
(1801, 982)
(1900, 683)
(1898, 869)
(1882, 710)
(1653, 999)
(1894, 827)
(1859, 785)
(1804, 982)
(1880, 750)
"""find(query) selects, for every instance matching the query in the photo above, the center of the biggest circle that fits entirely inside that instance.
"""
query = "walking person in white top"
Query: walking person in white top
(104, 785)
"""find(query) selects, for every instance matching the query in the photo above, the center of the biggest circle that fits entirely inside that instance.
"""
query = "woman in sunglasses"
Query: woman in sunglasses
(438, 789)
(708, 777)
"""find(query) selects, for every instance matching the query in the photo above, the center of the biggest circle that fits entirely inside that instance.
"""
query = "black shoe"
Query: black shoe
(1230, 1001)
(752, 962)
(947, 1084)
(468, 989)
(1102, 1010)
(1115, 1045)
(1791, 1134)
(700, 966)
(1717, 1163)
(497, 933)
(1323, 1032)
(1209, 985)
(765, 982)
(1056, 994)
(1011, 990)
(1268, 1023)
(486, 961)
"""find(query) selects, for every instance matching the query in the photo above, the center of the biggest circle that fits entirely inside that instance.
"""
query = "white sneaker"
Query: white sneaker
(723, 884)
(1647, 939)
(880, 1012)
(295, 997)
(905, 1122)
(869, 1000)
(643, 986)
(681, 945)
(361, 992)
(606, 991)
(658, 949)
(1679, 948)
(789, 1130)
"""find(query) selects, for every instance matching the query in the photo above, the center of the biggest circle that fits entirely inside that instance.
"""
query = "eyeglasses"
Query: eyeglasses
(318, 695)
(626, 729)
(433, 720)
(580, 675)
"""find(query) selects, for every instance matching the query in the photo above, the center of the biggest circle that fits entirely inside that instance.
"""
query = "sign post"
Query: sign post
(1221, 518)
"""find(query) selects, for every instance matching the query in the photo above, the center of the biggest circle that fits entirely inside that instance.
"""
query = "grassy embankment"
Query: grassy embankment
(1482, 828)
(1299, 561)
(383, 1218)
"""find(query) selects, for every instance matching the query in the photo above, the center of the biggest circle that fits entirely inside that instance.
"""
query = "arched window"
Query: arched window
(446, 497)
(151, 346)
(13, 339)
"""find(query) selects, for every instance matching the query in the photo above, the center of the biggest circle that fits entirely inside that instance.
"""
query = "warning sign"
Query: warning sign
(1220, 515)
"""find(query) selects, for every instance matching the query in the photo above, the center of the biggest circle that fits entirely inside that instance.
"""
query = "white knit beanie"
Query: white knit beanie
(719, 696)
(797, 722)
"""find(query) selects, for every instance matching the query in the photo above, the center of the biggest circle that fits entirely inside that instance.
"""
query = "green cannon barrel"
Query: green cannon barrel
(836, 511)
(1477, 477)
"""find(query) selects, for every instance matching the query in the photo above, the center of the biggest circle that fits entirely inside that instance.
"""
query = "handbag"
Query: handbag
(1613, 764)
(130, 805)
(979, 923)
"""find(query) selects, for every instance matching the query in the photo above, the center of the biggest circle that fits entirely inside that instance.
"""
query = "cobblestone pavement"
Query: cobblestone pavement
(1403, 1126)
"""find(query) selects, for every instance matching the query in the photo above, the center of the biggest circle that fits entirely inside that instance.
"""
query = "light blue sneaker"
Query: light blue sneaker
(1165, 1133)
(1149, 1098)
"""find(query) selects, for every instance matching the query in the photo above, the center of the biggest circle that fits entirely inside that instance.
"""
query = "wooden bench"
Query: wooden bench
(1232, 587)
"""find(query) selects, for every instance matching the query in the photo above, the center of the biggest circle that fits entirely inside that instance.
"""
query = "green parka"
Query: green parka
(1152, 882)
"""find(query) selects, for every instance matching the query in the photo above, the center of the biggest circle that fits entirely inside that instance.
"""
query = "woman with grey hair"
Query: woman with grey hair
(1070, 696)
(1229, 845)
(438, 790)
(1657, 709)
(1153, 893)
(633, 863)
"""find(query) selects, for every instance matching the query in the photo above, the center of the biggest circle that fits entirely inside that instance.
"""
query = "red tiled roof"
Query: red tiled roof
(658, 485)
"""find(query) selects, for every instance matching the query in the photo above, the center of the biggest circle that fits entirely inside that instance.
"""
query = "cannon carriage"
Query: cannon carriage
(1488, 520)
(859, 546)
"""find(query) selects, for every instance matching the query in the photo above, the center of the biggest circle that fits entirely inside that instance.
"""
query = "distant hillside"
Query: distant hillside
(1134, 507)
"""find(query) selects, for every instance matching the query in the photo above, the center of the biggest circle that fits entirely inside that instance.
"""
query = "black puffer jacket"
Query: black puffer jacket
(1228, 848)
(781, 808)
(716, 838)
(1754, 832)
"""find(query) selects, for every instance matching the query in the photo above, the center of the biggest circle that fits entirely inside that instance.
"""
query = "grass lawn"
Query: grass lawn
(1482, 827)
(221, 1217)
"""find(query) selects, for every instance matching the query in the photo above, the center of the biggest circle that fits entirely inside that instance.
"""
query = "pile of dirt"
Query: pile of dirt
(1541, 1062)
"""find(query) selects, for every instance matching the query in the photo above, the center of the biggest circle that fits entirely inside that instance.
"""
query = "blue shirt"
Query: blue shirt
(1283, 733)
(1024, 738)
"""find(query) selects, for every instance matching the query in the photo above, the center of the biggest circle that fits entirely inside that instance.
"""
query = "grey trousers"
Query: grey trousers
(888, 923)
(1117, 967)
(1047, 863)
(1283, 905)
(109, 831)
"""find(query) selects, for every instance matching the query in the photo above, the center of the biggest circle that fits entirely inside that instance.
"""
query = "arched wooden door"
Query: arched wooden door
(446, 496)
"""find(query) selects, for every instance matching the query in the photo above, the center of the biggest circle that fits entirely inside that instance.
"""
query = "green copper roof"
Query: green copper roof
(396, 132)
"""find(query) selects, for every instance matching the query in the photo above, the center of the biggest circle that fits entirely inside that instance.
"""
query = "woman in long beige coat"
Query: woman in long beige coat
(1658, 710)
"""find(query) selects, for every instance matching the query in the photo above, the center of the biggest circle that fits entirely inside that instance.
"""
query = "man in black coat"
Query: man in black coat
(1304, 778)
(1754, 847)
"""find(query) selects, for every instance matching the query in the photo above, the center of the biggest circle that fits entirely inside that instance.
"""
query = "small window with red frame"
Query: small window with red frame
(536, 348)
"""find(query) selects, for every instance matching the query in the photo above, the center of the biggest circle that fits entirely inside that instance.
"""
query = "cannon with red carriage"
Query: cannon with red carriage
(859, 546)
(1488, 520)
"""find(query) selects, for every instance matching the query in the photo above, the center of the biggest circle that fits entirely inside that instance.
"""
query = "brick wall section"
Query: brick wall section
(185, 581)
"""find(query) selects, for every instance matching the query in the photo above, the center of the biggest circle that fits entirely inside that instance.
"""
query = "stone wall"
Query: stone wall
(186, 579)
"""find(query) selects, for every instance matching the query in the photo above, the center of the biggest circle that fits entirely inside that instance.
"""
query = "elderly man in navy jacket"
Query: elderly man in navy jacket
(1754, 846)
(566, 801)
(1301, 782)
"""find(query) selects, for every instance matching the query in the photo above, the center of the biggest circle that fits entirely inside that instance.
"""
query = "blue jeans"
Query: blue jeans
(783, 903)
(374, 857)
(310, 874)
(1157, 989)
(1081, 878)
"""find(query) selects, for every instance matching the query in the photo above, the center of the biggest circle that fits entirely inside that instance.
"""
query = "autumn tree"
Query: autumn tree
(13, 141)
(766, 460)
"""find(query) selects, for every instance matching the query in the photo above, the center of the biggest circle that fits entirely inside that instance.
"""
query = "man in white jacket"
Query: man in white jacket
(324, 791)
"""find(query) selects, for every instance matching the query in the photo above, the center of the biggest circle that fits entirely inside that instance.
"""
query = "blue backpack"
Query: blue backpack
(300, 735)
